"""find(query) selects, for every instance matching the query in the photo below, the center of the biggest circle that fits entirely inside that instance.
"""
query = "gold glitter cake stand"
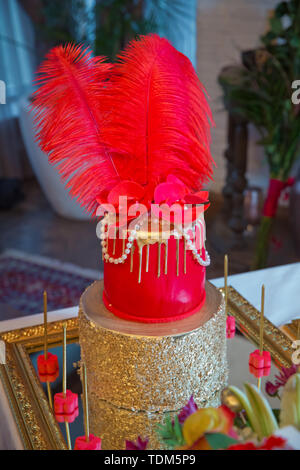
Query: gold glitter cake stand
(137, 372)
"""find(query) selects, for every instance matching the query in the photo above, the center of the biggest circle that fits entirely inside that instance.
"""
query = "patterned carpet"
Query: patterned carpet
(23, 278)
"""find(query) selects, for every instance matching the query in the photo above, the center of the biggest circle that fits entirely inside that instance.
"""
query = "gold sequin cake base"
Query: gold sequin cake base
(116, 425)
(140, 371)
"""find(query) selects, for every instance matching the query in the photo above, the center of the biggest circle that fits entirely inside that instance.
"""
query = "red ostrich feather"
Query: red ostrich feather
(141, 120)
(69, 120)
(160, 119)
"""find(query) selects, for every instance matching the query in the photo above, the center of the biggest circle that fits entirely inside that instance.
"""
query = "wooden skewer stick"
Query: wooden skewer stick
(46, 344)
(45, 326)
(85, 404)
(226, 282)
(262, 311)
(64, 360)
(65, 380)
(261, 328)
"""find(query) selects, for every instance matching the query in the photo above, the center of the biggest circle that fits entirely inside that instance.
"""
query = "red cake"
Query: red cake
(153, 281)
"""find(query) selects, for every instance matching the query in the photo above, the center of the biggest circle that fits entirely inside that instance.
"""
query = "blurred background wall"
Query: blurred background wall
(224, 29)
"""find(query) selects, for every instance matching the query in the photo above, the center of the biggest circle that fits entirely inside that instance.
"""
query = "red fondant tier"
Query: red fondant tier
(156, 298)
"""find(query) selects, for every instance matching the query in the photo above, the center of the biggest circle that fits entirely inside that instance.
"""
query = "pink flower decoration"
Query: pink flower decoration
(175, 192)
(66, 407)
(281, 380)
(260, 364)
(190, 408)
(140, 444)
(94, 443)
(132, 190)
(230, 326)
(271, 389)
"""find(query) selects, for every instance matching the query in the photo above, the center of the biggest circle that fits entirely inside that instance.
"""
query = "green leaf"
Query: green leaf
(170, 432)
(281, 9)
(276, 25)
(260, 406)
(219, 440)
(295, 42)
(178, 431)
(243, 399)
(276, 412)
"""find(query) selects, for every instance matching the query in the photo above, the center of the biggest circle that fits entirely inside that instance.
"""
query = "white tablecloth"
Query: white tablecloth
(282, 300)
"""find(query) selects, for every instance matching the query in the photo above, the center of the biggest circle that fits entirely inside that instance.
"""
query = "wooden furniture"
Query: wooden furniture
(236, 152)
(236, 182)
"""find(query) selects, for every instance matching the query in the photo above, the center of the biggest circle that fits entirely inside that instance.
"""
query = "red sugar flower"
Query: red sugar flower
(271, 443)
(173, 192)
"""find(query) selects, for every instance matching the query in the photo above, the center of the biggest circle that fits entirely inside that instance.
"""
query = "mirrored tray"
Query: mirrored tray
(28, 398)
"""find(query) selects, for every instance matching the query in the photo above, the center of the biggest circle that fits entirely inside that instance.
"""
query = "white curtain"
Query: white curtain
(17, 65)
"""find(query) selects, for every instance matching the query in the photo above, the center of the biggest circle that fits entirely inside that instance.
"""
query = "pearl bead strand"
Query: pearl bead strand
(132, 236)
(197, 256)
(103, 237)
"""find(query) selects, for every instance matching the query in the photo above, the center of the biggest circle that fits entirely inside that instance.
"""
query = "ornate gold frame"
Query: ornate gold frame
(35, 421)
(37, 426)
(248, 322)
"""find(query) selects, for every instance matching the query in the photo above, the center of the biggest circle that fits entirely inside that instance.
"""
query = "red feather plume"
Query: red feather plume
(159, 116)
(69, 120)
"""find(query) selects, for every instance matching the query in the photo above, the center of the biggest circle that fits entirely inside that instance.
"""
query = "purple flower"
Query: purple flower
(188, 410)
(140, 444)
(271, 389)
(281, 380)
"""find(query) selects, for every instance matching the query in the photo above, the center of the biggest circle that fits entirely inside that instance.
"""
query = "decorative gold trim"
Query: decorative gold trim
(292, 330)
(34, 418)
(36, 424)
(32, 337)
(248, 321)
(35, 421)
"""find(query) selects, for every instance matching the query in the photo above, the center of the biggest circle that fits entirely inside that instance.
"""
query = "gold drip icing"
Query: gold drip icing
(114, 245)
(140, 263)
(159, 259)
(131, 258)
(177, 256)
(184, 257)
(147, 259)
(147, 237)
(166, 257)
